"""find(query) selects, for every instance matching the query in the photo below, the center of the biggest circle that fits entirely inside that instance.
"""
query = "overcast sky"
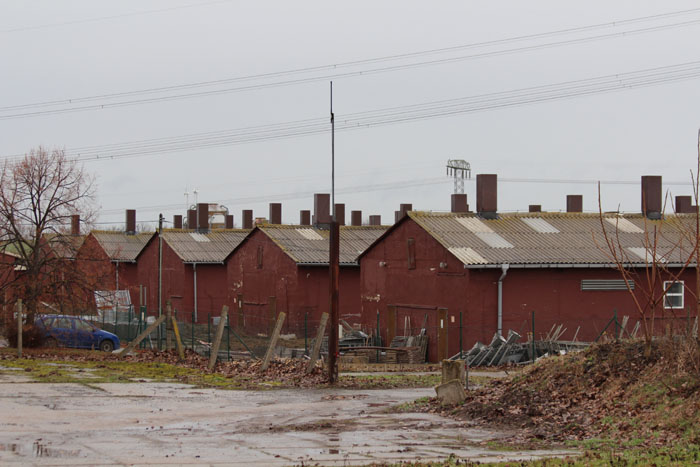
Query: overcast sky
(610, 130)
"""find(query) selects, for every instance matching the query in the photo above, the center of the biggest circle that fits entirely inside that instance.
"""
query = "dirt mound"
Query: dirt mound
(610, 389)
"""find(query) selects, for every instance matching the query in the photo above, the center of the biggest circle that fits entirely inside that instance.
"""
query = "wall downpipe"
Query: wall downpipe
(194, 268)
(504, 268)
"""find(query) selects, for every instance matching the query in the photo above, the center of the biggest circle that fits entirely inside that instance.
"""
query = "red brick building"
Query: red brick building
(495, 269)
(285, 268)
(193, 272)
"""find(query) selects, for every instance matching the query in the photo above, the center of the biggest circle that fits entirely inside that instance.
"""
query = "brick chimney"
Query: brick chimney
(202, 217)
(340, 213)
(651, 196)
(247, 218)
(275, 213)
(397, 216)
(304, 217)
(375, 219)
(229, 221)
(574, 203)
(356, 218)
(487, 195)
(684, 205)
(322, 209)
(75, 224)
(192, 219)
(177, 221)
(130, 221)
(459, 203)
(404, 208)
(534, 208)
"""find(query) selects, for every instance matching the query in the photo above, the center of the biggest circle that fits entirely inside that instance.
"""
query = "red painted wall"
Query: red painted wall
(298, 290)
(178, 284)
(554, 294)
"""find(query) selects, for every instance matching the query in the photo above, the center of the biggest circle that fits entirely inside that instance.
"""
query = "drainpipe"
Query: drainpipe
(194, 268)
(504, 268)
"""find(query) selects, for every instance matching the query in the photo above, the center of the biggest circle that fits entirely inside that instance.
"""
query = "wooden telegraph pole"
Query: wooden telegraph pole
(334, 266)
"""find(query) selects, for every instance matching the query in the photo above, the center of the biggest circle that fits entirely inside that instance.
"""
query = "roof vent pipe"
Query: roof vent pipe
(651, 196)
(75, 224)
(275, 213)
(130, 221)
(684, 205)
(487, 195)
(574, 203)
(247, 218)
(340, 213)
(322, 210)
(459, 203)
(504, 269)
(202, 217)
(356, 218)
(191, 219)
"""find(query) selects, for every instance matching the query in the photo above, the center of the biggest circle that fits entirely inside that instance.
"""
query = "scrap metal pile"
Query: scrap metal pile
(510, 350)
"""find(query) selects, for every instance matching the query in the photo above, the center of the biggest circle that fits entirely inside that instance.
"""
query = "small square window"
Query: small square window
(674, 294)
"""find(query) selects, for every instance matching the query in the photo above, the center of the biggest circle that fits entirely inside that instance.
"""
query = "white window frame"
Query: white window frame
(681, 294)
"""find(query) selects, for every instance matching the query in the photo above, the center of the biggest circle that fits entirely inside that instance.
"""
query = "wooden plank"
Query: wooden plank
(217, 338)
(317, 343)
(178, 341)
(168, 321)
(442, 334)
(273, 340)
(390, 323)
(132, 345)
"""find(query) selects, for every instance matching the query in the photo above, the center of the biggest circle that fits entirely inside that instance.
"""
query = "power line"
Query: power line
(392, 115)
(366, 72)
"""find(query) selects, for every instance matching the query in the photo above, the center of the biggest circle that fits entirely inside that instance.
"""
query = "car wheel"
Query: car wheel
(106, 345)
(51, 342)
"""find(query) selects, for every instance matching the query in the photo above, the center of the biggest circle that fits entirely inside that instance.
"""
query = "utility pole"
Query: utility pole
(334, 266)
(160, 272)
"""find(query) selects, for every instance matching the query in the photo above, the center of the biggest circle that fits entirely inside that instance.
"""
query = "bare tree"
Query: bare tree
(38, 195)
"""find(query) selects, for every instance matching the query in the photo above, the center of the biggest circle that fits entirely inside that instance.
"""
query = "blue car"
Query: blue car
(75, 332)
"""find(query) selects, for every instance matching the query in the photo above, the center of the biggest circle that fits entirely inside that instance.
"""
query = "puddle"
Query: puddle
(38, 450)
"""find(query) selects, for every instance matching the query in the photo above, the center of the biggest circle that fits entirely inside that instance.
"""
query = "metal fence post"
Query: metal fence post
(378, 342)
(209, 327)
(534, 355)
(306, 333)
(615, 318)
(192, 331)
(228, 338)
(460, 335)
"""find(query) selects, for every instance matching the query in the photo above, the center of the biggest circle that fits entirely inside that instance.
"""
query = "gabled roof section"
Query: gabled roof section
(122, 247)
(65, 245)
(552, 239)
(212, 247)
(308, 245)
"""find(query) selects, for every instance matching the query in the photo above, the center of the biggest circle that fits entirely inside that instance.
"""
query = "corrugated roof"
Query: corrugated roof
(212, 247)
(554, 238)
(306, 245)
(122, 247)
(65, 245)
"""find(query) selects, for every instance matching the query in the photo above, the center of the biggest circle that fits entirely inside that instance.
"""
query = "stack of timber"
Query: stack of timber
(416, 347)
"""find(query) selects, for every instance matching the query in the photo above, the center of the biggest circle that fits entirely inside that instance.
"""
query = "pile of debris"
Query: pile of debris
(502, 351)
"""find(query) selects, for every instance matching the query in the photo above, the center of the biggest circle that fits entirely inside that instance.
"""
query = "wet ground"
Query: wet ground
(162, 423)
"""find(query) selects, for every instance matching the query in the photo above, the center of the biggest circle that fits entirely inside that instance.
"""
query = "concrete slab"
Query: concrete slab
(164, 423)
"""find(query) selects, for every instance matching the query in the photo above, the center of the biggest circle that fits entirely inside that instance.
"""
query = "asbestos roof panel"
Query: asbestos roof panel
(562, 238)
(306, 245)
(122, 247)
(212, 247)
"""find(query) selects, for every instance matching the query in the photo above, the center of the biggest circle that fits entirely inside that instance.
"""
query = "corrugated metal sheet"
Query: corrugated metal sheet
(211, 247)
(572, 238)
(540, 225)
(122, 247)
(65, 246)
(310, 246)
